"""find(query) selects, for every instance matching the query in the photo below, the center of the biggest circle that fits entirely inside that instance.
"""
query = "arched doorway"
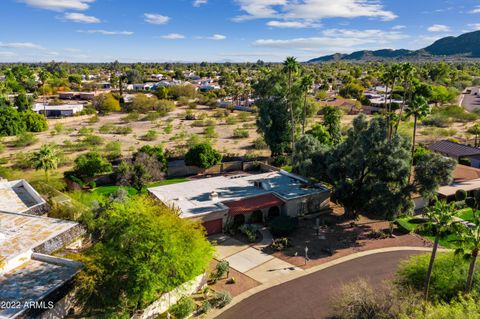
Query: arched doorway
(257, 217)
(273, 212)
(238, 220)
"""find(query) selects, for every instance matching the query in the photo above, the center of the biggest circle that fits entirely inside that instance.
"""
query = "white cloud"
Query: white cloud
(59, 5)
(198, 3)
(438, 28)
(292, 24)
(312, 9)
(334, 40)
(80, 17)
(173, 36)
(106, 32)
(21, 45)
(155, 18)
(6, 54)
(71, 50)
(217, 37)
(475, 10)
(474, 26)
(398, 27)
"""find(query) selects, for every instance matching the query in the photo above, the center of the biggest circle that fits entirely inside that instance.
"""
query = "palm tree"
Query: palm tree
(393, 74)
(440, 221)
(290, 67)
(306, 83)
(475, 130)
(46, 158)
(418, 108)
(408, 73)
(469, 240)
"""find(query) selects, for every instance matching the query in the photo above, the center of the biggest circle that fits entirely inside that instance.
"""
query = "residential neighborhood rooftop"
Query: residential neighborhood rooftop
(453, 149)
(208, 194)
(18, 197)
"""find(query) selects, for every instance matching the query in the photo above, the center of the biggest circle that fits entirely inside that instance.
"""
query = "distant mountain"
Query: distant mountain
(464, 46)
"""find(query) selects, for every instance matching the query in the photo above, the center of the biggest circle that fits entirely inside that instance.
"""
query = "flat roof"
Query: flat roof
(21, 233)
(194, 198)
(32, 281)
(64, 107)
(18, 196)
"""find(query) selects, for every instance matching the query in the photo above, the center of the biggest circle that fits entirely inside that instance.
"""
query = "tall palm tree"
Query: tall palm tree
(418, 108)
(440, 221)
(306, 84)
(469, 240)
(46, 158)
(394, 72)
(408, 74)
(290, 67)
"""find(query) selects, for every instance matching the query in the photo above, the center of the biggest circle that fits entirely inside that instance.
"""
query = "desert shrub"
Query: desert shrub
(2, 147)
(25, 139)
(438, 121)
(240, 133)
(280, 244)
(59, 128)
(448, 277)
(222, 269)
(34, 122)
(206, 306)
(231, 120)
(22, 160)
(113, 150)
(109, 128)
(183, 308)
(199, 123)
(462, 307)
(85, 131)
(221, 299)
(131, 117)
(250, 231)
(168, 129)
(189, 116)
(151, 135)
(259, 143)
(283, 225)
(91, 164)
(210, 132)
(243, 116)
(359, 300)
(221, 113)
(93, 140)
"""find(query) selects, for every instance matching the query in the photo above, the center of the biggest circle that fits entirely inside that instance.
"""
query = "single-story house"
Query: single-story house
(465, 178)
(27, 273)
(457, 151)
(223, 200)
(57, 110)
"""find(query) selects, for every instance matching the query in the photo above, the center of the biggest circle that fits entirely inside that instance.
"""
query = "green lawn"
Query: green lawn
(108, 190)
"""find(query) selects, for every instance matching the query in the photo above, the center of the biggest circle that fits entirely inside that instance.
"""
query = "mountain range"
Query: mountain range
(465, 46)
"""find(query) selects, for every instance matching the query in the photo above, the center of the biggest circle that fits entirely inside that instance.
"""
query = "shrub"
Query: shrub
(189, 116)
(113, 150)
(183, 308)
(131, 117)
(59, 128)
(93, 140)
(221, 299)
(25, 139)
(34, 122)
(168, 129)
(231, 120)
(250, 231)
(259, 143)
(11, 122)
(206, 306)
(151, 135)
(463, 307)
(91, 164)
(280, 160)
(240, 133)
(85, 131)
(210, 132)
(460, 195)
(280, 244)
(448, 276)
(222, 269)
(203, 155)
(283, 225)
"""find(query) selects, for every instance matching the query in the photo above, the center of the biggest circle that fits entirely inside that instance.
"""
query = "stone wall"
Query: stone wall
(38, 210)
(60, 241)
(167, 300)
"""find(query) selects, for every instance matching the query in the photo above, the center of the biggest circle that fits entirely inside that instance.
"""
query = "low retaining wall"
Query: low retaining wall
(60, 241)
(166, 300)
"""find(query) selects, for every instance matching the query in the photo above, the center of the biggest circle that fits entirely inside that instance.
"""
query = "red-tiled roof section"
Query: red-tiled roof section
(252, 204)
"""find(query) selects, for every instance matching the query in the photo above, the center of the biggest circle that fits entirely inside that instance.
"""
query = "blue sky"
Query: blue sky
(222, 30)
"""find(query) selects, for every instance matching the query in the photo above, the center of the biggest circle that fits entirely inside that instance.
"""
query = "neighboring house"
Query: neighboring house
(223, 200)
(57, 110)
(33, 282)
(457, 151)
(464, 178)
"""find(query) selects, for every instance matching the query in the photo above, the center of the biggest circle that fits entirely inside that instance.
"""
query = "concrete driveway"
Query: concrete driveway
(251, 261)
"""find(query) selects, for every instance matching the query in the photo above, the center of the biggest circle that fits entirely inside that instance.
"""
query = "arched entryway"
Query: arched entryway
(273, 212)
(238, 220)
(257, 217)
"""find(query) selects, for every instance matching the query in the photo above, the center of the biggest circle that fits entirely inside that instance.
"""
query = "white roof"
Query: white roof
(64, 107)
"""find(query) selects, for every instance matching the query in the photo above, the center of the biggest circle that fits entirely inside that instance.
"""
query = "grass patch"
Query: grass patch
(169, 181)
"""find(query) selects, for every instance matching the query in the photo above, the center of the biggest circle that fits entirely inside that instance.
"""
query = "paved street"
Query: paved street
(471, 102)
(309, 297)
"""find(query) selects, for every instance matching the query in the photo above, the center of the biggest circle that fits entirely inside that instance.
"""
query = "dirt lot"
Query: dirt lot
(181, 131)
(242, 282)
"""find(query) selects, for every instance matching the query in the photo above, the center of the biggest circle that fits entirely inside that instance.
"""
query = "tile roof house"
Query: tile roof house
(454, 150)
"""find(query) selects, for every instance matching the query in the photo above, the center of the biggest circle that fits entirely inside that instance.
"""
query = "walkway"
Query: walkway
(309, 296)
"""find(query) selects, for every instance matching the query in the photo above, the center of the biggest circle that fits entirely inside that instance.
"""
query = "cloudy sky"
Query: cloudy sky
(222, 30)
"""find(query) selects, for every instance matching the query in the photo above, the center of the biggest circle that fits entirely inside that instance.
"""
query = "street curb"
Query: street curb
(215, 312)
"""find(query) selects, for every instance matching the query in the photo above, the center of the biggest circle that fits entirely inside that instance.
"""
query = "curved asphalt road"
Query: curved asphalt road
(309, 297)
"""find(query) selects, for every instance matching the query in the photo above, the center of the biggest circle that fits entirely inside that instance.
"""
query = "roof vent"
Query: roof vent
(213, 195)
